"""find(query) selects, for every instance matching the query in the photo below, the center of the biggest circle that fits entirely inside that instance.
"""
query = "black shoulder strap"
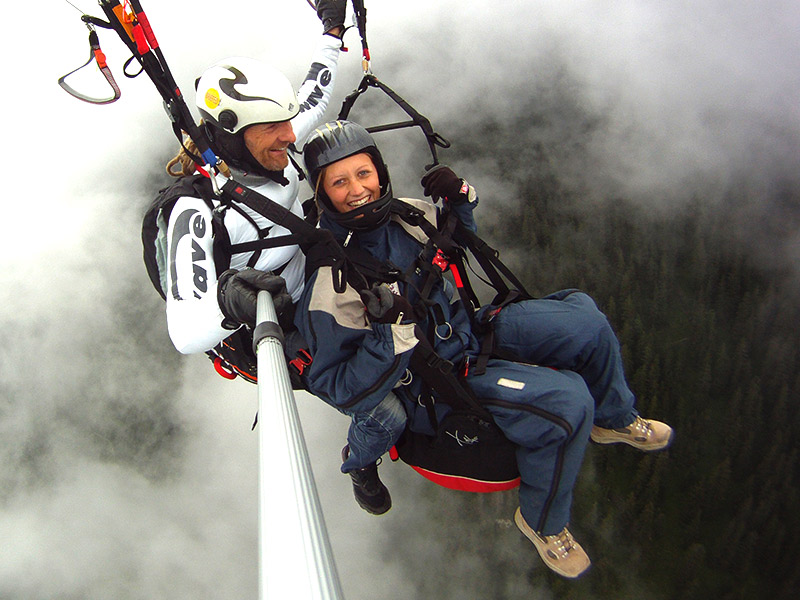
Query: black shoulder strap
(319, 245)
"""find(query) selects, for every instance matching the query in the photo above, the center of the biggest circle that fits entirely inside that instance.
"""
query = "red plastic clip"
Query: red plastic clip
(440, 260)
(301, 362)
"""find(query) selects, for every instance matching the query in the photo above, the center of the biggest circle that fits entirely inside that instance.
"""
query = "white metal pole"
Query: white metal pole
(295, 558)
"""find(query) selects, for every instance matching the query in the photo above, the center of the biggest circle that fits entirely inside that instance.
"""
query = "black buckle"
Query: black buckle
(437, 362)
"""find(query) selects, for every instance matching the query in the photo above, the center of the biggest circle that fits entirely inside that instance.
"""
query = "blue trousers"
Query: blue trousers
(573, 378)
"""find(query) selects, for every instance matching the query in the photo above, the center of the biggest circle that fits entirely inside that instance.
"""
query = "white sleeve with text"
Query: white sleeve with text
(194, 318)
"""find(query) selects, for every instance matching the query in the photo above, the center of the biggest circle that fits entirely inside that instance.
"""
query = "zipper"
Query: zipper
(374, 387)
(564, 424)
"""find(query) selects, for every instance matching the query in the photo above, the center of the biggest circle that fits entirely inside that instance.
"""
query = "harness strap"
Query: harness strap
(440, 376)
(488, 343)
(133, 28)
(489, 260)
(448, 253)
(417, 119)
(95, 54)
(263, 244)
(371, 267)
(319, 245)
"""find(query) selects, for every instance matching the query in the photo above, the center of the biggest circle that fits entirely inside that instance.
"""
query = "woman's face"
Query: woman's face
(352, 182)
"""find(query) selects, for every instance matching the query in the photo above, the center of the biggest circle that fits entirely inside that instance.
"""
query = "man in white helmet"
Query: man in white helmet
(253, 118)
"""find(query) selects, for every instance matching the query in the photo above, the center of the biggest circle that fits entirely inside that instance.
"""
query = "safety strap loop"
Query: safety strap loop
(417, 119)
(96, 55)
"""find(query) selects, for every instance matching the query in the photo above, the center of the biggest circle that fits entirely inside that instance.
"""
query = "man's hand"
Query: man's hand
(332, 15)
(385, 307)
(237, 294)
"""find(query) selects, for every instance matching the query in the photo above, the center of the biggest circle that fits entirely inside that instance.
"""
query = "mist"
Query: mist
(129, 471)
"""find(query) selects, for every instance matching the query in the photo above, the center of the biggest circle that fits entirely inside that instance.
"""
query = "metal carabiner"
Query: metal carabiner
(406, 379)
(422, 404)
(449, 331)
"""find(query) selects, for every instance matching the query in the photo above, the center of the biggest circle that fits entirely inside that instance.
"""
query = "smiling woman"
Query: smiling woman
(352, 182)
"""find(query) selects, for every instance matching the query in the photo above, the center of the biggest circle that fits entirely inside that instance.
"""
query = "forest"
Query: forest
(707, 318)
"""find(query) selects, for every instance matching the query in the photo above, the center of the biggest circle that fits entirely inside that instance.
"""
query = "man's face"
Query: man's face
(267, 142)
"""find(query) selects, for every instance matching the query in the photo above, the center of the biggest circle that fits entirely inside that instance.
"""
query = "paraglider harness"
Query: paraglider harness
(487, 462)
(234, 356)
(468, 451)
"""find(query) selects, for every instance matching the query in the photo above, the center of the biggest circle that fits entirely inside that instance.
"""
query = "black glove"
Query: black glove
(383, 306)
(442, 182)
(331, 13)
(237, 294)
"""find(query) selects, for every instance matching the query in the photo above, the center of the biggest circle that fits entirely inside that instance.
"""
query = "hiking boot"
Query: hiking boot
(560, 552)
(369, 491)
(643, 434)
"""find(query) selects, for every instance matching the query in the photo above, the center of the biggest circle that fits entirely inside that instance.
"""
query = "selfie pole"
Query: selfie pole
(295, 558)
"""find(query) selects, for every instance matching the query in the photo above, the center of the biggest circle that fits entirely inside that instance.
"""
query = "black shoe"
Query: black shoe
(369, 491)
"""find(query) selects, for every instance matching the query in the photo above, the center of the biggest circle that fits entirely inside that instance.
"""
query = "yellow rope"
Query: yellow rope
(183, 165)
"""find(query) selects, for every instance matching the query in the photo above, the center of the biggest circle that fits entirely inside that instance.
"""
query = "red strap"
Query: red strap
(148, 31)
(141, 40)
(456, 276)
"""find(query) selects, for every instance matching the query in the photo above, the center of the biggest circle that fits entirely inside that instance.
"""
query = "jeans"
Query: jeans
(372, 433)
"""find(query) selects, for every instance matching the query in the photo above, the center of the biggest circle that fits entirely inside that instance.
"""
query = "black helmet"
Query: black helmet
(333, 142)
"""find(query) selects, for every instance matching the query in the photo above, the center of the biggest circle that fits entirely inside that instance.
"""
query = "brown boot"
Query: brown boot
(560, 552)
(646, 435)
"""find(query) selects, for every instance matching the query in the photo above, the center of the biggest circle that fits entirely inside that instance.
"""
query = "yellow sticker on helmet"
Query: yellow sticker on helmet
(212, 98)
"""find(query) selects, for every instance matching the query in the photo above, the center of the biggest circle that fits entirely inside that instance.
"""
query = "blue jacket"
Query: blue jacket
(357, 362)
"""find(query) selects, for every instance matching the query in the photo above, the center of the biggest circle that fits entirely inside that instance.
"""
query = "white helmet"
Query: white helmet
(238, 92)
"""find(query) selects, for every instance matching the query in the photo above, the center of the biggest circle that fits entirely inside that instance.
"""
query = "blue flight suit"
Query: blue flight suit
(573, 378)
